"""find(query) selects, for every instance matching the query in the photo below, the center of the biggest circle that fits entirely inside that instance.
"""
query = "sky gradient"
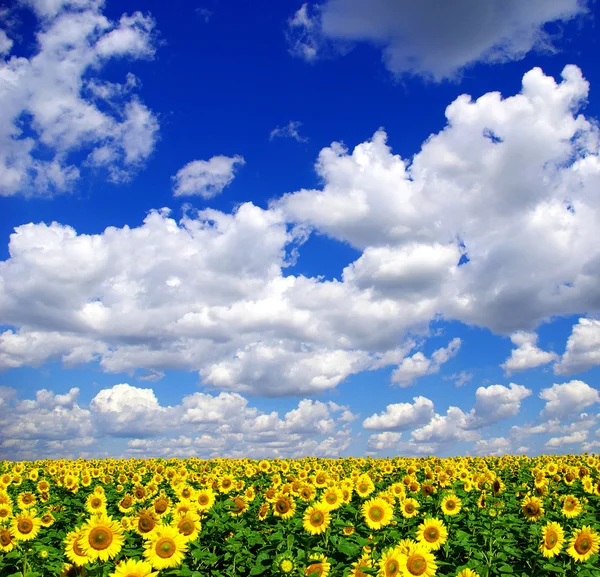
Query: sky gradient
(286, 229)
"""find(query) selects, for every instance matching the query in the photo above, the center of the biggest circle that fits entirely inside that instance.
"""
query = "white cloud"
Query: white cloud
(288, 131)
(418, 365)
(497, 447)
(206, 178)
(382, 441)
(459, 379)
(445, 429)
(583, 348)
(562, 401)
(577, 437)
(527, 355)
(5, 43)
(430, 39)
(402, 416)
(64, 115)
(496, 403)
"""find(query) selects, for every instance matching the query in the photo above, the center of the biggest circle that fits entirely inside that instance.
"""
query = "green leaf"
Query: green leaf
(506, 569)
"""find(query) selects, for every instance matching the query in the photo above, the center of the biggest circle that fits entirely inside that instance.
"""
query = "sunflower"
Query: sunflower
(7, 543)
(26, 500)
(95, 504)
(166, 548)
(532, 508)
(126, 503)
(162, 505)
(307, 492)
(25, 526)
(390, 563)
(418, 561)
(73, 551)
(226, 484)
(284, 507)
(377, 513)
(406, 545)
(188, 525)
(316, 519)
(205, 499)
(102, 538)
(47, 519)
(145, 522)
(467, 573)
(319, 567)
(571, 506)
(553, 537)
(239, 506)
(451, 505)
(365, 562)
(332, 498)
(284, 563)
(432, 533)
(133, 568)
(409, 507)
(583, 544)
(364, 486)
(263, 511)
(6, 512)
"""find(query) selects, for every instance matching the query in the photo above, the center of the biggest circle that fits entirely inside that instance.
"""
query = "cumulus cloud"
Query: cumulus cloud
(382, 441)
(54, 104)
(583, 348)
(215, 283)
(402, 416)
(496, 447)
(527, 355)
(433, 40)
(563, 401)
(495, 403)
(206, 178)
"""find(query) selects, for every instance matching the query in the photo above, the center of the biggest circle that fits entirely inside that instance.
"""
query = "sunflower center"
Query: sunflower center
(416, 565)
(186, 527)
(317, 518)
(126, 502)
(376, 513)
(531, 509)
(286, 565)
(203, 499)
(25, 526)
(551, 540)
(5, 538)
(186, 493)
(314, 568)
(239, 505)
(3, 512)
(165, 548)
(282, 506)
(583, 545)
(100, 538)
(450, 505)
(96, 502)
(161, 506)
(409, 508)
(47, 518)
(569, 505)
(226, 483)
(27, 499)
(392, 568)
(331, 498)
(146, 523)
(432, 535)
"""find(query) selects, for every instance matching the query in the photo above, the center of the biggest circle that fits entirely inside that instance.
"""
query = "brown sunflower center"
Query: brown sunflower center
(203, 499)
(5, 538)
(239, 506)
(126, 502)
(165, 548)
(531, 509)
(161, 506)
(47, 518)
(186, 527)
(282, 506)
(569, 505)
(317, 518)
(450, 505)
(77, 549)
(186, 493)
(226, 483)
(146, 523)
(331, 498)
(551, 539)
(314, 568)
(392, 568)
(25, 526)
(3, 512)
(582, 544)
(100, 538)
(432, 534)
(376, 513)
(27, 499)
(409, 508)
(96, 502)
(416, 564)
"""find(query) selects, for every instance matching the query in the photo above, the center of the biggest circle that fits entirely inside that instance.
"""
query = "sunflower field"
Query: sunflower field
(347, 517)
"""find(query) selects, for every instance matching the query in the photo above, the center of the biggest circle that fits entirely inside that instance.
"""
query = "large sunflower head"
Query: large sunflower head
(316, 519)
(432, 533)
(25, 526)
(583, 544)
(205, 499)
(102, 538)
(377, 513)
(26, 499)
(95, 503)
(390, 563)
(451, 505)
(419, 561)
(332, 498)
(188, 525)
(553, 537)
(166, 548)
(73, 550)
(284, 506)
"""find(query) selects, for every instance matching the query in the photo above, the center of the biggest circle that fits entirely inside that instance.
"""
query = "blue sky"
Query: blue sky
(287, 229)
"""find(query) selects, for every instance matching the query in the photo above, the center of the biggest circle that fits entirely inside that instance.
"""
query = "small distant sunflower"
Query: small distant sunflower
(467, 573)
(364, 486)
(226, 484)
(47, 519)
(332, 498)
(532, 508)
(166, 548)
(205, 499)
(6, 512)
(95, 504)
(240, 505)
(409, 507)
(73, 550)
(583, 544)
(553, 537)
(126, 504)
(102, 538)
(162, 505)
(571, 506)
(263, 511)
(7, 542)
(25, 526)
(307, 493)
(284, 564)
(26, 500)
(188, 525)
(451, 505)
(418, 561)
(316, 519)
(377, 513)
(319, 567)
(133, 568)
(284, 507)
(432, 533)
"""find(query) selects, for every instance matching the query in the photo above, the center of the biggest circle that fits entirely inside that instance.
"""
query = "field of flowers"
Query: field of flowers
(403, 517)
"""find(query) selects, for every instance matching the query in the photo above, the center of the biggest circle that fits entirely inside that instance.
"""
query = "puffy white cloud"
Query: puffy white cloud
(206, 178)
(382, 441)
(577, 437)
(288, 131)
(57, 88)
(497, 447)
(5, 43)
(562, 401)
(527, 355)
(428, 38)
(418, 365)
(496, 402)
(402, 416)
(446, 429)
(583, 348)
